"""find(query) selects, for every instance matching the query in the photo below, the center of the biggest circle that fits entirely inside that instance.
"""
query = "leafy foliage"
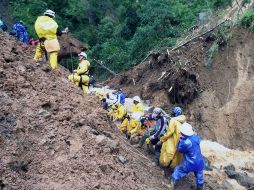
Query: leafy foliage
(221, 37)
(118, 32)
(247, 20)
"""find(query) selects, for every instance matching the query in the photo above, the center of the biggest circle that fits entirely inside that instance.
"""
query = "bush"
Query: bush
(247, 20)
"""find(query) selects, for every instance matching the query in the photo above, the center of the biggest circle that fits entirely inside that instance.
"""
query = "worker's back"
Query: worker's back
(46, 27)
(190, 147)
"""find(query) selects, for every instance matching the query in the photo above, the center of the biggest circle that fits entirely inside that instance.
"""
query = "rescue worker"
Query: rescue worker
(157, 131)
(121, 111)
(19, 30)
(120, 97)
(138, 132)
(3, 26)
(169, 155)
(189, 145)
(47, 30)
(80, 76)
(112, 114)
(129, 123)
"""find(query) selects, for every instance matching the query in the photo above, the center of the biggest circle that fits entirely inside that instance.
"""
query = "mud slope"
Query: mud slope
(52, 136)
(219, 100)
(227, 107)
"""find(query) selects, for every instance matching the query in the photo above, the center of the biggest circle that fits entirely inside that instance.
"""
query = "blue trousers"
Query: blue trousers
(180, 171)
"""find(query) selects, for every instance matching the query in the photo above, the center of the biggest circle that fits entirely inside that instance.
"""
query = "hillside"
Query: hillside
(218, 99)
(120, 33)
(53, 136)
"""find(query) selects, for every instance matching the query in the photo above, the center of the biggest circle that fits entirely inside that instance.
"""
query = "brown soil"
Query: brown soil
(52, 136)
(219, 99)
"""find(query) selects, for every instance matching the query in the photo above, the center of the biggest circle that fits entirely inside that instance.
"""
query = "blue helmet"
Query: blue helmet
(177, 111)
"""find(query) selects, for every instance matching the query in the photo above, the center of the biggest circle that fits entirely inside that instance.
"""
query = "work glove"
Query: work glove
(147, 141)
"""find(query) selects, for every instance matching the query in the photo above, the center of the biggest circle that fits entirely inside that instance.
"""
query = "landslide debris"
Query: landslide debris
(52, 136)
(218, 100)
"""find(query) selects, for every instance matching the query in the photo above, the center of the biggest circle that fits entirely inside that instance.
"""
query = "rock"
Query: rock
(114, 146)
(103, 168)
(122, 159)
(101, 140)
(81, 122)
(241, 178)
(44, 113)
(8, 58)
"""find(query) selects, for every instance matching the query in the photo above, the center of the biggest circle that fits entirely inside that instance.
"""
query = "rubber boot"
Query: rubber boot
(200, 187)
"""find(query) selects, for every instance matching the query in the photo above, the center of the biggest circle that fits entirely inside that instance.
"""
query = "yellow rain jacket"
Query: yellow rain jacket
(121, 111)
(113, 112)
(137, 108)
(169, 153)
(83, 67)
(128, 125)
(46, 27)
(81, 73)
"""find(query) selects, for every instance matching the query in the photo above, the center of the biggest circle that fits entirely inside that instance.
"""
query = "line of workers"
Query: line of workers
(174, 142)
(176, 146)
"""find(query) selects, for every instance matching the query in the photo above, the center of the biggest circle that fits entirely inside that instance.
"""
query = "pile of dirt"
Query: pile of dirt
(218, 99)
(52, 136)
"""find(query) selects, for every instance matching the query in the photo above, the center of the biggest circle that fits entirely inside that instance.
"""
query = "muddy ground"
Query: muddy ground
(52, 136)
(218, 99)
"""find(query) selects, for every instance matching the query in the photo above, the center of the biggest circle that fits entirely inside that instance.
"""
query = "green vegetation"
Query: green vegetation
(221, 36)
(247, 20)
(121, 33)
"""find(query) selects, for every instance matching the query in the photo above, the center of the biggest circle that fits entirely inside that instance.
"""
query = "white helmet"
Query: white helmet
(83, 54)
(49, 13)
(136, 98)
(186, 129)
(157, 110)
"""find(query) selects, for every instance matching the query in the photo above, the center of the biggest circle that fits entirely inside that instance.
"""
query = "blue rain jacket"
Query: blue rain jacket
(20, 32)
(120, 97)
(192, 158)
